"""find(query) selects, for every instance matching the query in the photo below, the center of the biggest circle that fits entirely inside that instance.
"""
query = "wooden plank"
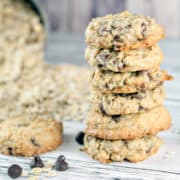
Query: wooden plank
(167, 13)
(80, 14)
(82, 166)
(104, 7)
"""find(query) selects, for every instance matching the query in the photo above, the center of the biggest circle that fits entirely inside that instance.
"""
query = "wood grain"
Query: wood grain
(74, 15)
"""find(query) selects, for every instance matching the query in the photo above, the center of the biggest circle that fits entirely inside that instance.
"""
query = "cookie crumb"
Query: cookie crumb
(48, 164)
(25, 173)
(51, 173)
(36, 171)
(33, 178)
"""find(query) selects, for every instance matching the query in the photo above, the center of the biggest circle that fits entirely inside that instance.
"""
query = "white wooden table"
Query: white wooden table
(164, 165)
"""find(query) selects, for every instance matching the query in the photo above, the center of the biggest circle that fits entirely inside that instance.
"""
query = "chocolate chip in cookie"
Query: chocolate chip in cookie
(116, 118)
(34, 142)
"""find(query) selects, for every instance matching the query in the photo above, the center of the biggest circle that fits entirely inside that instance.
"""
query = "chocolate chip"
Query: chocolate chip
(36, 162)
(61, 158)
(61, 164)
(136, 96)
(33, 141)
(116, 38)
(102, 30)
(141, 108)
(148, 151)
(104, 57)
(101, 107)
(10, 150)
(116, 47)
(120, 67)
(144, 28)
(14, 171)
(128, 26)
(149, 75)
(100, 65)
(106, 86)
(116, 118)
(80, 138)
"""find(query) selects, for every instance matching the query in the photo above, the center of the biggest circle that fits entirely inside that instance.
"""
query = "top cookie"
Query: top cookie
(123, 31)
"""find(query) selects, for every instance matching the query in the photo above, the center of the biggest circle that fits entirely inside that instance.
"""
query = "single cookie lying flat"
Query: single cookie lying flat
(123, 31)
(130, 126)
(124, 61)
(115, 104)
(129, 82)
(132, 150)
(28, 137)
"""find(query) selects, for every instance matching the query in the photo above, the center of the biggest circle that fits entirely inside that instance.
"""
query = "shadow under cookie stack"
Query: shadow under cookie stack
(126, 106)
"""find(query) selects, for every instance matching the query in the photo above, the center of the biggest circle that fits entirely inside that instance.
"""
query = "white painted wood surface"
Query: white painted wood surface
(164, 165)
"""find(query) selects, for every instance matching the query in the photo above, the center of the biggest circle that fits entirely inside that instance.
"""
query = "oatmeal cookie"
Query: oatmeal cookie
(129, 126)
(123, 31)
(114, 104)
(24, 136)
(128, 82)
(132, 150)
(124, 61)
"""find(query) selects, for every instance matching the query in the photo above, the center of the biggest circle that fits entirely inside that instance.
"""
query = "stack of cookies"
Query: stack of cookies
(126, 107)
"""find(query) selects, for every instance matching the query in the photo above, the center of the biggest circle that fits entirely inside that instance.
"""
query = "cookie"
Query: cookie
(128, 82)
(23, 136)
(124, 61)
(132, 150)
(114, 104)
(123, 31)
(129, 126)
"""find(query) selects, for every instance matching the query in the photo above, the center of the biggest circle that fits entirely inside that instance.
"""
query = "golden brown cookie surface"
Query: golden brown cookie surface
(27, 137)
(124, 61)
(116, 104)
(132, 150)
(128, 82)
(129, 126)
(123, 31)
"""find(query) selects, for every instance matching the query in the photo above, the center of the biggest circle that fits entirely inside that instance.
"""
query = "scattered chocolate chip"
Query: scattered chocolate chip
(36, 162)
(116, 118)
(101, 107)
(61, 164)
(10, 150)
(80, 138)
(14, 171)
(33, 141)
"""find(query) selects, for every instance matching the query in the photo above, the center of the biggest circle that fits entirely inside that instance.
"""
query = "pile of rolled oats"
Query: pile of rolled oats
(27, 84)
